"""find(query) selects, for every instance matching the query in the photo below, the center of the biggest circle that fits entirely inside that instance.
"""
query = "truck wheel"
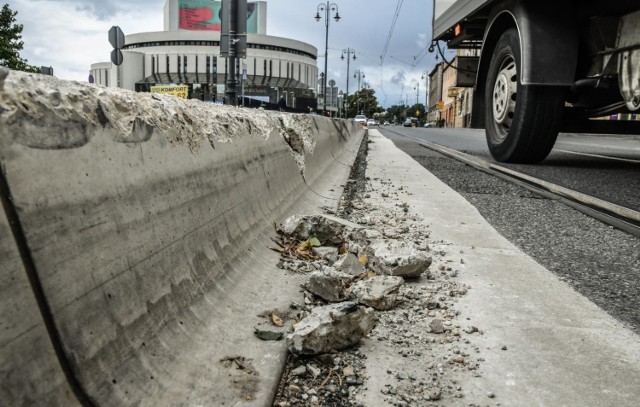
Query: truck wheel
(522, 122)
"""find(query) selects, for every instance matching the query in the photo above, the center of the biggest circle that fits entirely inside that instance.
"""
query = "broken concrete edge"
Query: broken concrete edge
(104, 205)
(331, 327)
(344, 288)
(30, 104)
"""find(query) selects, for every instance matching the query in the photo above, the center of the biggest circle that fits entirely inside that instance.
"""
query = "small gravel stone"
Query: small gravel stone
(299, 371)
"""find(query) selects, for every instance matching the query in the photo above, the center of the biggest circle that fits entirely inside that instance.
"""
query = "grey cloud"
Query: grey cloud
(101, 10)
(105, 10)
(398, 78)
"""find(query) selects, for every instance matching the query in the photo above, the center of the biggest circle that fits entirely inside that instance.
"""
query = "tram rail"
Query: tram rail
(612, 214)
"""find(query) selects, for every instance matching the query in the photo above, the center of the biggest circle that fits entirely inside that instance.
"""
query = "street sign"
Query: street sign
(116, 37)
(116, 57)
(181, 91)
(440, 105)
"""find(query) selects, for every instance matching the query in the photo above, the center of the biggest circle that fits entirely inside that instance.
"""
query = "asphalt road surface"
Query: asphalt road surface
(600, 262)
(607, 167)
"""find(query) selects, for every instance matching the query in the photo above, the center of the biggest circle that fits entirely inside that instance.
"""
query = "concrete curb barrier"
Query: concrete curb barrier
(145, 222)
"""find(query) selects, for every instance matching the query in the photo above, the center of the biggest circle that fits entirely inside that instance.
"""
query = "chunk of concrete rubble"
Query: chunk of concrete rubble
(329, 284)
(366, 235)
(331, 327)
(436, 325)
(359, 239)
(324, 227)
(348, 263)
(397, 258)
(379, 292)
(329, 253)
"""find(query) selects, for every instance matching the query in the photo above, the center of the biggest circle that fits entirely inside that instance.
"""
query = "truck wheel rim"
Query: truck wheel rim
(504, 97)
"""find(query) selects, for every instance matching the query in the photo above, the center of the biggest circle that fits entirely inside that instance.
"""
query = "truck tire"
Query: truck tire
(522, 122)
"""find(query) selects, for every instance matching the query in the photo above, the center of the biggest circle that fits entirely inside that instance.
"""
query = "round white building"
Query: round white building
(274, 67)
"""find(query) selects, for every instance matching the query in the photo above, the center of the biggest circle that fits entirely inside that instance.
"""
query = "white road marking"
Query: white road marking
(599, 156)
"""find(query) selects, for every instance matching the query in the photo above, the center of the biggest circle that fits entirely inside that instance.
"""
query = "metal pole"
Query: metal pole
(326, 58)
(348, 52)
(425, 76)
(348, 58)
(358, 99)
(230, 94)
(358, 92)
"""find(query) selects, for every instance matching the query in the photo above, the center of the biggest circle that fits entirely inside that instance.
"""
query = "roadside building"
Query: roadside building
(435, 93)
(187, 52)
(458, 78)
(449, 93)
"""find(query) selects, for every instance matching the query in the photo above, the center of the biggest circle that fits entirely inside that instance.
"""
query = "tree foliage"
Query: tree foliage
(364, 99)
(398, 113)
(11, 42)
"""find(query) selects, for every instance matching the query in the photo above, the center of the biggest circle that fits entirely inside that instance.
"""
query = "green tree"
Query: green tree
(417, 110)
(396, 113)
(11, 42)
(365, 99)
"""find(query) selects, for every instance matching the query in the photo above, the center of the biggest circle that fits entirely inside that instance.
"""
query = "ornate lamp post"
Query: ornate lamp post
(325, 8)
(360, 75)
(425, 76)
(348, 52)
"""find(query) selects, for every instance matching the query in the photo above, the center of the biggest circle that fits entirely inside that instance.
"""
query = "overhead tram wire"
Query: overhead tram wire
(393, 25)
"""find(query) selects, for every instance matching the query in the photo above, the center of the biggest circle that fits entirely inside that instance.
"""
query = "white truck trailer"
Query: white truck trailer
(546, 66)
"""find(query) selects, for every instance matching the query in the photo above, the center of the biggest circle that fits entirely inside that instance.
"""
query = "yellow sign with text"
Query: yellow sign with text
(181, 91)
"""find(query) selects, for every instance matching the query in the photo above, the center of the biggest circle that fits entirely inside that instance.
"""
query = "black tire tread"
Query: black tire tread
(537, 120)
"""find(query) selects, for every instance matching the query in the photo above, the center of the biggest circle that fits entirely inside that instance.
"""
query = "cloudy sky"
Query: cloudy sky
(70, 35)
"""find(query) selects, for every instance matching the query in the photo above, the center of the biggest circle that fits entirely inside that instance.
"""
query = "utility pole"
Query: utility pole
(360, 75)
(425, 76)
(348, 52)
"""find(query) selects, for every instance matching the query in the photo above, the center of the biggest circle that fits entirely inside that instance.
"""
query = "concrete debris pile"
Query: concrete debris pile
(339, 275)
(418, 352)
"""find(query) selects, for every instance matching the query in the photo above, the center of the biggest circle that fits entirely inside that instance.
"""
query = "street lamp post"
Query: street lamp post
(348, 52)
(417, 87)
(425, 76)
(358, 74)
(325, 8)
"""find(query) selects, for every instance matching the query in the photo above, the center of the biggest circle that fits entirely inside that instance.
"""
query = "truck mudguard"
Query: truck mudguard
(548, 39)
(548, 43)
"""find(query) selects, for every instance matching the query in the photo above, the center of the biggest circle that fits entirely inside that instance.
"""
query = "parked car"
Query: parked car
(411, 122)
(362, 119)
(385, 123)
(430, 124)
(371, 123)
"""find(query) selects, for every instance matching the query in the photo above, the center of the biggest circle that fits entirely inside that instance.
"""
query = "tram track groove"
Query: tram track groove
(617, 216)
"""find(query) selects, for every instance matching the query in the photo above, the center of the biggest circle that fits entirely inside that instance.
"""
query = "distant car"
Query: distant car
(362, 119)
(371, 123)
(410, 122)
(385, 124)
(430, 124)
